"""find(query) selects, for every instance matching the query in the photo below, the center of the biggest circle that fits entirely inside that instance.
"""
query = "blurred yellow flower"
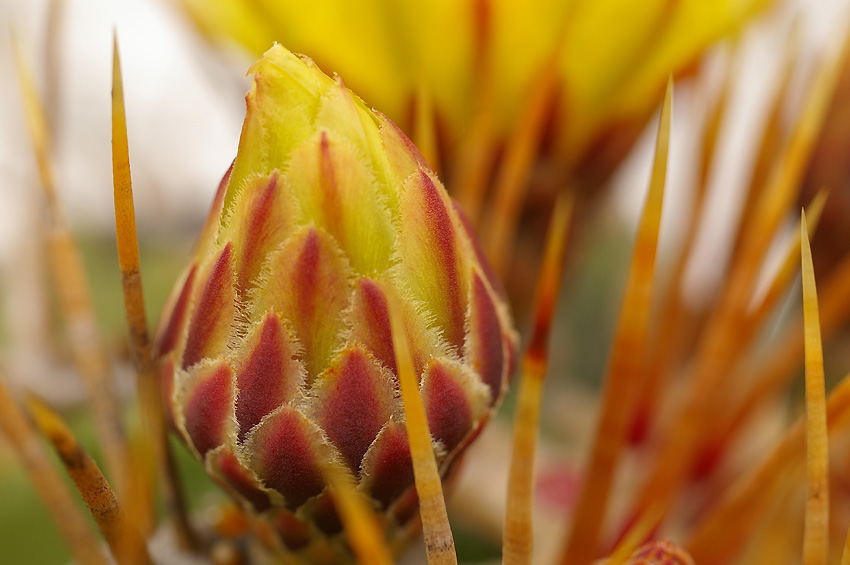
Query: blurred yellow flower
(503, 99)
(612, 57)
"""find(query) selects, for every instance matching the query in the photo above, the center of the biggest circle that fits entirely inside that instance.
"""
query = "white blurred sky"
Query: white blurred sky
(184, 109)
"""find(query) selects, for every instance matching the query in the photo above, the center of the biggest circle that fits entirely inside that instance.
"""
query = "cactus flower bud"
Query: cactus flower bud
(275, 348)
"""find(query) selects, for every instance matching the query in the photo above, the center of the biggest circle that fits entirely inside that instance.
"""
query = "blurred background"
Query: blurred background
(185, 106)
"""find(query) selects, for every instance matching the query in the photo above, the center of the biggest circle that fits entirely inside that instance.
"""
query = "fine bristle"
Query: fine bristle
(425, 125)
(74, 295)
(773, 370)
(123, 539)
(640, 531)
(788, 269)
(48, 484)
(770, 143)
(625, 365)
(37, 125)
(499, 227)
(816, 537)
(476, 152)
(362, 528)
(670, 327)
(748, 499)
(153, 446)
(439, 542)
(517, 537)
(726, 336)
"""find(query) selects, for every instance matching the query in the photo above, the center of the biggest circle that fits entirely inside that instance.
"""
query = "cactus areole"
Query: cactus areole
(275, 348)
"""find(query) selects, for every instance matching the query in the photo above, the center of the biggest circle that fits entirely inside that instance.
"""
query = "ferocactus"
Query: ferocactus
(276, 351)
